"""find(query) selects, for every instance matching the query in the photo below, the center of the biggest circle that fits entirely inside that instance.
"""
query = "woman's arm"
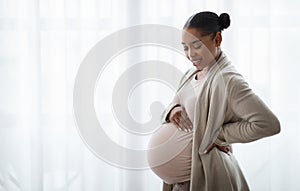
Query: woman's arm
(257, 120)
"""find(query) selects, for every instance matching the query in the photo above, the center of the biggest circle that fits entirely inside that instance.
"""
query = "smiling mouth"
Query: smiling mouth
(196, 62)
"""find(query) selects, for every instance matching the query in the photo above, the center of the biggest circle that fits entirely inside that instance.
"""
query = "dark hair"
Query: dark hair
(208, 22)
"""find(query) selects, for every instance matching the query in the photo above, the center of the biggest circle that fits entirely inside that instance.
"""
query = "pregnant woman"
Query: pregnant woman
(213, 108)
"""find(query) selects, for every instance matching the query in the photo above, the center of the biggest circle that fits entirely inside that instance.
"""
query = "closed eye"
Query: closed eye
(198, 45)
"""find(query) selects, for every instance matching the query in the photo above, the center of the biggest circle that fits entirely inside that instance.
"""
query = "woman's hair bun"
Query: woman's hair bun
(224, 21)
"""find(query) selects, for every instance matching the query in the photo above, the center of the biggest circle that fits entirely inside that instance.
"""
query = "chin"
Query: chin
(199, 67)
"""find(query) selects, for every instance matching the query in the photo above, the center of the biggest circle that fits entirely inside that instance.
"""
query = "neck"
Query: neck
(219, 53)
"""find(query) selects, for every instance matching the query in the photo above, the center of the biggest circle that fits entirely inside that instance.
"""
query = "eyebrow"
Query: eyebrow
(192, 42)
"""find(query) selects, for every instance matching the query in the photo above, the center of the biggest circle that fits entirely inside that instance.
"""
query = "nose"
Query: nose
(191, 53)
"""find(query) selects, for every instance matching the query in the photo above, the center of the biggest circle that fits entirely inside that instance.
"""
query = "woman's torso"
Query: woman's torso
(173, 162)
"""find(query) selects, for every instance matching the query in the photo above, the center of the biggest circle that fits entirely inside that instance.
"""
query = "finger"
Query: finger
(186, 118)
(176, 115)
(178, 119)
(179, 122)
(186, 123)
(225, 149)
(183, 120)
(189, 121)
(175, 121)
(185, 127)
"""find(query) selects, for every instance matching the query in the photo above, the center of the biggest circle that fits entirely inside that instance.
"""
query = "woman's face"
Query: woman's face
(200, 50)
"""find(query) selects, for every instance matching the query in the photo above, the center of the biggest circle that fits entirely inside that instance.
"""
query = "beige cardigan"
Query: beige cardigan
(227, 111)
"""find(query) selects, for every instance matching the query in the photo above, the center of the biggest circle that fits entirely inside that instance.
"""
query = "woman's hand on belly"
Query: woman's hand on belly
(179, 117)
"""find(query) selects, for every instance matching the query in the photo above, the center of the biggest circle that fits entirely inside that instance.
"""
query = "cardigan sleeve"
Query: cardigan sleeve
(256, 119)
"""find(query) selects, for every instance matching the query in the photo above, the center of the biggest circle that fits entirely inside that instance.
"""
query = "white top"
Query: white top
(188, 95)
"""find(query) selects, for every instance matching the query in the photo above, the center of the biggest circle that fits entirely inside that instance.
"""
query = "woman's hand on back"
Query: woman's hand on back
(179, 116)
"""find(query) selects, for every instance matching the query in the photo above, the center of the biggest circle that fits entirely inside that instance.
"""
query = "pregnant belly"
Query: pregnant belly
(170, 153)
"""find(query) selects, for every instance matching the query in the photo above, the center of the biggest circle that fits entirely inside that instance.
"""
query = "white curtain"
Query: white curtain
(43, 42)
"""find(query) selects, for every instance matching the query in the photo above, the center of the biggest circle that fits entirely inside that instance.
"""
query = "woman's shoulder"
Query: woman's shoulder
(229, 77)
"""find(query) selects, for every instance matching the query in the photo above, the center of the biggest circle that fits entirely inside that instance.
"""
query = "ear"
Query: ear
(218, 39)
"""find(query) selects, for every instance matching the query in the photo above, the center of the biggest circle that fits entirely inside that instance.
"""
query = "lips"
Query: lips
(196, 62)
